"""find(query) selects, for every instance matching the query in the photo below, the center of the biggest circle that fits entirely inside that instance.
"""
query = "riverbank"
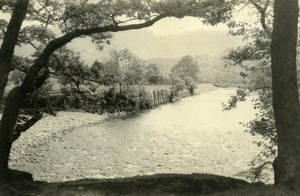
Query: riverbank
(193, 135)
(50, 128)
(26, 150)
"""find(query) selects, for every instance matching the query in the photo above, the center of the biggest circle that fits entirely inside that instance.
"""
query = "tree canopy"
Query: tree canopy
(153, 74)
(186, 66)
(123, 67)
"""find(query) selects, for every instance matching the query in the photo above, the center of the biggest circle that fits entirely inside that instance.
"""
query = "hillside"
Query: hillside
(212, 69)
(147, 45)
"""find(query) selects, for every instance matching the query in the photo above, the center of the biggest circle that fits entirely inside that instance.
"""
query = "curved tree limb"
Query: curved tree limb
(262, 12)
(53, 45)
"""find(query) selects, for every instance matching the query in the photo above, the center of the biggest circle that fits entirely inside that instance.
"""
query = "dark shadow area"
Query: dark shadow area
(160, 184)
(1, 109)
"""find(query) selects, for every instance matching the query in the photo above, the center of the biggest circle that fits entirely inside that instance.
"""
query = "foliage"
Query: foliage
(70, 70)
(86, 100)
(132, 100)
(186, 66)
(153, 74)
(123, 68)
(178, 84)
(254, 58)
(190, 84)
(184, 74)
(103, 73)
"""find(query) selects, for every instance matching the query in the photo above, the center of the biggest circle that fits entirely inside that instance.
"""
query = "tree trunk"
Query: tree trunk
(7, 125)
(285, 92)
(9, 42)
(3, 82)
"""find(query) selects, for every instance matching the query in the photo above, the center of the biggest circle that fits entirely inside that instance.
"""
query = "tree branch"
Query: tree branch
(24, 127)
(262, 11)
(260, 88)
(38, 82)
(53, 45)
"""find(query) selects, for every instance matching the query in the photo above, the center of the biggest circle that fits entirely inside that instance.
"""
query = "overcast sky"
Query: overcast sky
(179, 26)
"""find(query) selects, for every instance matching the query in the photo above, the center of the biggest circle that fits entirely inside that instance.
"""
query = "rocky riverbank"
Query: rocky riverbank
(51, 128)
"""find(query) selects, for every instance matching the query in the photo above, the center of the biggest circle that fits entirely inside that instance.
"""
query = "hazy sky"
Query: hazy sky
(179, 26)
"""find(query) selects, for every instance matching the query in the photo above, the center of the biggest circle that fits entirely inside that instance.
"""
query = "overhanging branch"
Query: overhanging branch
(53, 45)
(24, 127)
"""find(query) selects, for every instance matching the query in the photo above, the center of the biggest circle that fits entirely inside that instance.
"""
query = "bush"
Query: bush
(131, 99)
(86, 100)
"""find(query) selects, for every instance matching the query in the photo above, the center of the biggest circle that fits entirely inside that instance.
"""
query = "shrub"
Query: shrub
(131, 99)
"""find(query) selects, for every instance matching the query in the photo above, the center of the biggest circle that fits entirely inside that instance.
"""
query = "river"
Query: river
(192, 135)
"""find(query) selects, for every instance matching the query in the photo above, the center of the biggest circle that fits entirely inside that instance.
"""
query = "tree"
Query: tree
(6, 55)
(153, 74)
(75, 19)
(178, 84)
(186, 66)
(273, 52)
(285, 92)
(125, 68)
(74, 73)
(185, 74)
(190, 84)
(102, 73)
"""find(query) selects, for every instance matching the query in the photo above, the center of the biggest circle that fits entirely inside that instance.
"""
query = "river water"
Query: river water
(192, 135)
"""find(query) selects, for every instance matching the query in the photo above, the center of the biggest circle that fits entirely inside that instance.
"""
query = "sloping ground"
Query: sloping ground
(166, 184)
(49, 129)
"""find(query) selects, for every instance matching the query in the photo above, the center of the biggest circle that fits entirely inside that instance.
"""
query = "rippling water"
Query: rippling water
(193, 135)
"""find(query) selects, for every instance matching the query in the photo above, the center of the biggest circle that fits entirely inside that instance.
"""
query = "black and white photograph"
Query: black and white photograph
(149, 97)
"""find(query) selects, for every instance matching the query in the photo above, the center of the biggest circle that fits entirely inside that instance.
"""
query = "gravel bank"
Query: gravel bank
(50, 128)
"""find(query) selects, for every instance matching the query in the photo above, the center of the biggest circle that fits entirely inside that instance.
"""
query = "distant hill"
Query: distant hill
(165, 64)
(212, 69)
(147, 45)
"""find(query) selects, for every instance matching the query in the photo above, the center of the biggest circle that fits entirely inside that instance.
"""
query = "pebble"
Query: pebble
(50, 128)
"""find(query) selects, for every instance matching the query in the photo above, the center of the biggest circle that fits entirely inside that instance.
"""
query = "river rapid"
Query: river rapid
(192, 135)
